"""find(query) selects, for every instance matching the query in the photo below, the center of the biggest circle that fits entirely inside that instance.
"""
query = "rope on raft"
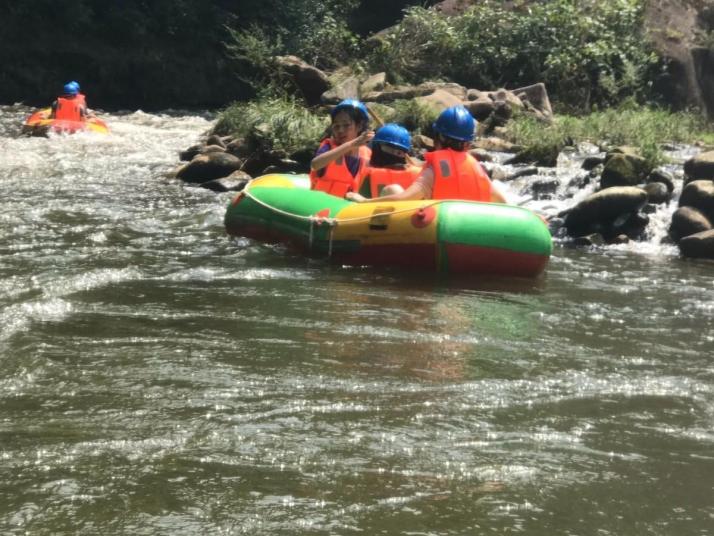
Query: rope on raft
(333, 222)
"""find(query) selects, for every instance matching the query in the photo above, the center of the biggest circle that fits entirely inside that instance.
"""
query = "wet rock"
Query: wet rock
(623, 170)
(212, 149)
(633, 225)
(699, 245)
(660, 175)
(603, 208)
(541, 155)
(593, 239)
(700, 195)
(657, 193)
(591, 162)
(188, 154)
(239, 148)
(215, 139)
(207, 167)
(687, 221)
(235, 182)
(523, 172)
(700, 167)
(620, 239)
(544, 188)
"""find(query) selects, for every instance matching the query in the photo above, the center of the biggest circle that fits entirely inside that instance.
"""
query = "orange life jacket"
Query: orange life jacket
(81, 99)
(68, 109)
(458, 175)
(381, 177)
(337, 179)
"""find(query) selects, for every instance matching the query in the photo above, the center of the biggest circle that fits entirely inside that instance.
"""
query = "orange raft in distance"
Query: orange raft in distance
(40, 124)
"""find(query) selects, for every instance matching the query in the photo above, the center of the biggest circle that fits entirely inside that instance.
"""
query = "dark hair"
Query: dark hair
(451, 143)
(381, 159)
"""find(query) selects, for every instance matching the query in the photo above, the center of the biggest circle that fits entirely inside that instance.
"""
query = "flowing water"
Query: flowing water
(157, 377)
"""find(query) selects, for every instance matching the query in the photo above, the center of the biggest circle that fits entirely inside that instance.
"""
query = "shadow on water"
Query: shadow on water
(400, 278)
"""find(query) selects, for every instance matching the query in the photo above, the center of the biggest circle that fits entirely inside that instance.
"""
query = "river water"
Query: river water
(157, 377)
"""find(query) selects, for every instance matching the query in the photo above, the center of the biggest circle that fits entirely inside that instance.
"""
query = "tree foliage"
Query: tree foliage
(588, 53)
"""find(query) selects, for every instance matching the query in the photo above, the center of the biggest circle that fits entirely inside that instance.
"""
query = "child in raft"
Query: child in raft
(341, 161)
(450, 171)
(389, 172)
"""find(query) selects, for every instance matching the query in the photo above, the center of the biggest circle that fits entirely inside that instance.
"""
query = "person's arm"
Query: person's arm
(419, 189)
(322, 160)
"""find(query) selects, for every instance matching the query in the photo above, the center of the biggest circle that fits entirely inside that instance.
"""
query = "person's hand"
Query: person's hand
(355, 197)
(364, 138)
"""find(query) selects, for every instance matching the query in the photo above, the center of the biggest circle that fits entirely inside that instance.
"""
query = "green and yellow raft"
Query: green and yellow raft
(443, 236)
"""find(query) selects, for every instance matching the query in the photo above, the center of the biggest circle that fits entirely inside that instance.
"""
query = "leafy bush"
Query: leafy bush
(314, 30)
(280, 122)
(588, 53)
(415, 117)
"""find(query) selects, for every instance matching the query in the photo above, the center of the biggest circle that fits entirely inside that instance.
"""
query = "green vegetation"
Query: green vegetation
(588, 53)
(277, 123)
(628, 124)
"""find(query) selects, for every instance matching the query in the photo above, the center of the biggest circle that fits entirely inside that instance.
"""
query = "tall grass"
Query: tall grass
(642, 127)
(282, 122)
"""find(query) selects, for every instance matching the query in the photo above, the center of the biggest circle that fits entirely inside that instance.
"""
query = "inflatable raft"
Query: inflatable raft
(40, 123)
(442, 236)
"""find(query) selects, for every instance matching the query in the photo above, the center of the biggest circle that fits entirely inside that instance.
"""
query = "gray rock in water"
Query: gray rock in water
(700, 195)
(699, 245)
(687, 221)
(207, 167)
(604, 208)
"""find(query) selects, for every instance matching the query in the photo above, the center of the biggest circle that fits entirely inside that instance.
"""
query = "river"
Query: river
(159, 378)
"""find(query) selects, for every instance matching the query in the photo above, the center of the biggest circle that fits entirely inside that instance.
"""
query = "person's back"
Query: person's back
(68, 107)
(458, 175)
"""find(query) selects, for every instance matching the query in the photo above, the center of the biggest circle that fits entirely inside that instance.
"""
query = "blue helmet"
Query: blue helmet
(456, 122)
(351, 104)
(394, 135)
(70, 89)
(76, 84)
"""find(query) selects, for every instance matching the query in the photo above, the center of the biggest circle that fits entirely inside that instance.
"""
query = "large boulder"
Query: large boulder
(687, 221)
(699, 245)
(439, 100)
(604, 209)
(345, 89)
(209, 166)
(310, 81)
(699, 195)
(623, 169)
(537, 97)
(700, 167)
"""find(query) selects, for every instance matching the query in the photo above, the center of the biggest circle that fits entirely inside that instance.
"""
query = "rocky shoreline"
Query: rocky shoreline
(618, 211)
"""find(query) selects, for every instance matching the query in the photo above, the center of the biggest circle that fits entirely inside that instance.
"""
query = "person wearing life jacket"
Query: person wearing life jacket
(341, 160)
(388, 171)
(68, 107)
(450, 171)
